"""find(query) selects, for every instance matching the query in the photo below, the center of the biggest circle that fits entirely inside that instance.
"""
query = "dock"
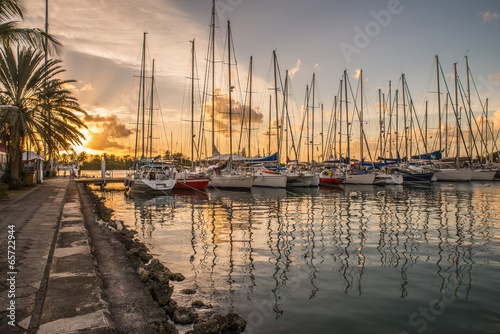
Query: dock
(99, 180)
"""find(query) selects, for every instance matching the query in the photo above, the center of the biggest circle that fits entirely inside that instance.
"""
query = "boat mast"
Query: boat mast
(322, 137)
(439, 103)
(426, 118)
(469, 112)
(269, 127)
(486, 135)
(192, 104)
(457, 114)
(446, 127)
(404, 117)
(230, 90)
(397, 125)
(276, 102)
(308, 142)
(285, 118)
(141, 98)
(213, 72)
(312, 119)
(250, 109)
(390, 120)
(347, 117)
(380, 119)
(150, 126)
(340, 118)
(361, 146)
(143, 74)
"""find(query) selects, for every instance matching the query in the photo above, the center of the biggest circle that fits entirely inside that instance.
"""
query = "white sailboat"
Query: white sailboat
(151, 177)
(230, 177)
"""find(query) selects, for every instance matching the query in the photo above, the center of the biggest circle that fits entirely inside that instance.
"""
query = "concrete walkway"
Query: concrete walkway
(50, 280)
(50, 284)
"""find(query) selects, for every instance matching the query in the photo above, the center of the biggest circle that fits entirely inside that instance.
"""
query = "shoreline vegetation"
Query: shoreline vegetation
(156, 281)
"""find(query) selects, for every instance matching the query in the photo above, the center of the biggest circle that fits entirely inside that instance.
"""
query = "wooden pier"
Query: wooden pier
(99, 181)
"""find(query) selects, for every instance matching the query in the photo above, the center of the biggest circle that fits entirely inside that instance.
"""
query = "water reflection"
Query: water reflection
(292, 246)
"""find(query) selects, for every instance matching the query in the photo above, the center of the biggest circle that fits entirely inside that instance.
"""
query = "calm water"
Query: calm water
(362, 259)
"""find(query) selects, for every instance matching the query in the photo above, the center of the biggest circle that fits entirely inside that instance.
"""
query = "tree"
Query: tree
(11, 34)
(82, 156)
(44, 110)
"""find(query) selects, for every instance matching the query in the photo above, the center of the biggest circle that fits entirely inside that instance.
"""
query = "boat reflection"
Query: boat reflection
(232, 243)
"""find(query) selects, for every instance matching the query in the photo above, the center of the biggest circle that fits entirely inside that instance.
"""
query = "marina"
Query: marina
(313, 259)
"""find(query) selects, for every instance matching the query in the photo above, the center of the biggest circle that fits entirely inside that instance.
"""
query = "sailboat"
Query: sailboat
(229, 177)
(354, 173)
(192, 179)
(148, 174)
(449, 173)
(264, 175)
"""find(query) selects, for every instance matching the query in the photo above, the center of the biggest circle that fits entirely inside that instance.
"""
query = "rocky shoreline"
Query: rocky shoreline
(156, 279)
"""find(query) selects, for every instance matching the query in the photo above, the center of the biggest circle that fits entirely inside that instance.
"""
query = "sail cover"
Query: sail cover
(436, 155)
(273, 157)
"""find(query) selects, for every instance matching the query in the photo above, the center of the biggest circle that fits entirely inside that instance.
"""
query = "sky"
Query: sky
(103, 43)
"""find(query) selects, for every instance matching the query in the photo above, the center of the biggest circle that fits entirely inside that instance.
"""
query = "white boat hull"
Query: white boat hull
(360, 178)
(389, 179)
(304, 180)
(267, 180)
(483, 175)
(453, 175)
(232, 181)
(152, 186)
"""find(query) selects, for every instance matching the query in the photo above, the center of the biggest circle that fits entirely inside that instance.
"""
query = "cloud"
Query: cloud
(496, 78)
(221, 110)
(489, 16)
(295, 69)
(358, 73)
(73, 88)
(106, 133)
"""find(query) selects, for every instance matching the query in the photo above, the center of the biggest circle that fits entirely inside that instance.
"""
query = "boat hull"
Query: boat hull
(330, 181)
(266, 180)
(388, 179)
(232, 181)
(412, 178)
(360, 178)
(483, 175)
(152, 187)
(453, 175)
(192, 183)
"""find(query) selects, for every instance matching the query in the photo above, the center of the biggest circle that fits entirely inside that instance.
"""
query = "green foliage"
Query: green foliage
(113, 162)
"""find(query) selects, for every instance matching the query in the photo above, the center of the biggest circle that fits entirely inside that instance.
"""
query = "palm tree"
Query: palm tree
(10, 33)
(44, 109)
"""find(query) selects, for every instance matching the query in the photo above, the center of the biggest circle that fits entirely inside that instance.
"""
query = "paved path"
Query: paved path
(64, 268)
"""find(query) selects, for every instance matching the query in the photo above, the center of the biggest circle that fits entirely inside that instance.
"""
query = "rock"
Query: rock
(143, 274)
(188, 291)
(119, 225)
(214, 323)
(140, 251)
(170, 308)
(235, 323)
(177, 277)
(165, 327)
(184, 315)
(209, 323)
(160, 292)
(197, 304)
